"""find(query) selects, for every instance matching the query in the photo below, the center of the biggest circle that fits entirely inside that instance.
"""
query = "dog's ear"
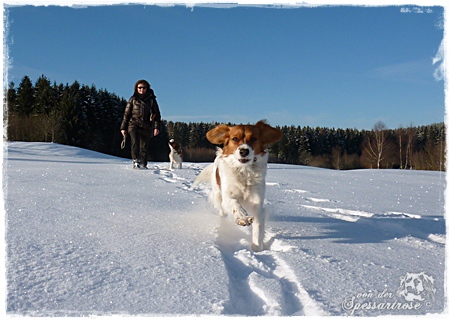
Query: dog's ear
(219, 134)
(269, 134)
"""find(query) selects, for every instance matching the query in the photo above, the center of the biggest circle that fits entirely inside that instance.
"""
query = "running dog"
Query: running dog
(238, 173)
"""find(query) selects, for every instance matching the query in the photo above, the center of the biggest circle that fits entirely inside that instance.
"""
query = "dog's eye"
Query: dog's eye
(235, 139)
(253, 139)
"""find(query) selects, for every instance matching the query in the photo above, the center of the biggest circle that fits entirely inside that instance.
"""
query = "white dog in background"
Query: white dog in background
(175, 155)
(238, 173)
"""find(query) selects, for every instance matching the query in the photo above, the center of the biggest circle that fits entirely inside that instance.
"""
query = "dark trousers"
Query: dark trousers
(139, 144)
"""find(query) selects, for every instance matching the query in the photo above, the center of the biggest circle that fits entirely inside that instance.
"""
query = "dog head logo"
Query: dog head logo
(416, 287)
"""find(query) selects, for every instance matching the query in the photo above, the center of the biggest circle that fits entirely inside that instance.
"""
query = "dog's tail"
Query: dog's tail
(204, 176)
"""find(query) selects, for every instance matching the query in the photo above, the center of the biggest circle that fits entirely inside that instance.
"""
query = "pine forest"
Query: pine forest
(87, 117)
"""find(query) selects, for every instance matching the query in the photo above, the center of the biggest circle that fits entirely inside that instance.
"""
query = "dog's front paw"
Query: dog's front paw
(257, 248)
(245, 222)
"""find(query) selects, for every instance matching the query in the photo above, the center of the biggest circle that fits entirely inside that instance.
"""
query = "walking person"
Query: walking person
(141, 120)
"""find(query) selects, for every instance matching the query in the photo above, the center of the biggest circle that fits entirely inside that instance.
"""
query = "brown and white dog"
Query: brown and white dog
(238, 173)
(175, 155)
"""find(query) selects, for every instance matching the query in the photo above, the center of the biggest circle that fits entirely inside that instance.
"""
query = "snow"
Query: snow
(86, 235)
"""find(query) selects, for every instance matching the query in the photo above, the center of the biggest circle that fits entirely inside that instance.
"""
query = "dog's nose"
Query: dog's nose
(244, 152)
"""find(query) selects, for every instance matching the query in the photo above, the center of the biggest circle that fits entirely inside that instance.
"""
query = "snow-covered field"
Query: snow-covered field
(87, 235)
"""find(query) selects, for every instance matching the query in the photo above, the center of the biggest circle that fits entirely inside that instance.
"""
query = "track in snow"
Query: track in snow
(263, 283)
(258, 283)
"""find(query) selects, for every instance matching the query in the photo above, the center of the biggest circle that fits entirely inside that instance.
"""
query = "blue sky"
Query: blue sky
(330, 66)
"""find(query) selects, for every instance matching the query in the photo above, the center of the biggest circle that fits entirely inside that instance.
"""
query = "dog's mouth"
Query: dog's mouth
(244, 160)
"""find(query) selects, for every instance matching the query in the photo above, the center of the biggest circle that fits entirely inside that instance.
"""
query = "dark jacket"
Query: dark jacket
(141, 113)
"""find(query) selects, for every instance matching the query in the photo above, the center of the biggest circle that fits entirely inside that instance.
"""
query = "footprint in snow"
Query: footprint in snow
(300, 191)
(341, 214)
(317, 200)
(260, 284)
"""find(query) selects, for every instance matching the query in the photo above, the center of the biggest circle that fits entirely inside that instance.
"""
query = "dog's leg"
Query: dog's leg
(171, 157)
(217, 202)
(215, 196)
(258, 227)
(218, 206)
(233, 206)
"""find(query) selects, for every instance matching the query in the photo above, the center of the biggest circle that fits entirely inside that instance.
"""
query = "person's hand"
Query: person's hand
(155, 132)
(124, 133)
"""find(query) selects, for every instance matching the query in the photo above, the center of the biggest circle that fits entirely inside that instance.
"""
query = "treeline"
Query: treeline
(420, 148)
(83, 116)
(76, 115)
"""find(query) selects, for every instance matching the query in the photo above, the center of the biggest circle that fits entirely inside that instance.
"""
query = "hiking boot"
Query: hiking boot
(136, 164)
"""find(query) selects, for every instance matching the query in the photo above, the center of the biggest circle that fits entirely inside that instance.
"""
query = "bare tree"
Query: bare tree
(410, 134)
(400, 144)
(336, 155)
(377, 145)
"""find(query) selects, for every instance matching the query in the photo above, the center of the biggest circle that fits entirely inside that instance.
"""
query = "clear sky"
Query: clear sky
(327, 66)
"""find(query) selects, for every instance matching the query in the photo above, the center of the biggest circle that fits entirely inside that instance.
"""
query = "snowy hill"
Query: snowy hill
(87, 235)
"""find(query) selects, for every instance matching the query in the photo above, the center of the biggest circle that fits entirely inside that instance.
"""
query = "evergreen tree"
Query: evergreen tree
(194, 135)
(43, 96)
(10, 98)
(73, 124)
(25, 97)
